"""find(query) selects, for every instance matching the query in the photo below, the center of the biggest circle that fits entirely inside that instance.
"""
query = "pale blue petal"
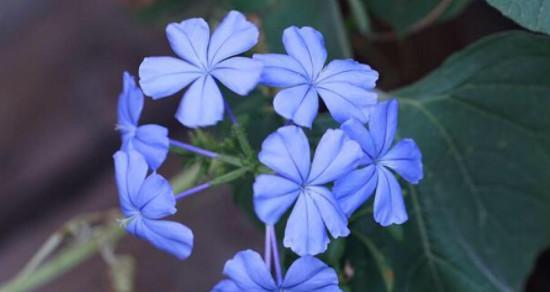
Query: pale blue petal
(273, 195)
(130, 172)
(239, 74)
(168, 236)
(389, 207)
(248, 270)
(353, 189)
(226, 286)
(163, 76)
(189, 40)
(349, 71)
(336, 155)
(286, 151)
(308, 274)
(405, 158)
(153, 143)
(155, 199)
(346, 101)
(305, 231)
(281, 70)
(334, 218)
(356, 131)
(202, 104)
(382, 125)
(307, 46)
(299, 104)
(234, 35)
(130, 102)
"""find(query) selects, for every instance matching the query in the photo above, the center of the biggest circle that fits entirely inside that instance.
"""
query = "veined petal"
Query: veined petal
(382, 125)
(202, 104)
(286, 151)
(336, 155)
(353, 189)
(299, 104)
(226, 286)
(305, 231)
(405, 158)
(281, 70)
(248, 271)
(130, 172)
(307, 46)
(163, 76)
(273, 195)
(334, 218)
(155, 199)
(130, 102)
(234, 35)
(239, 74)
(189, 40)
(343, 106)
(389, 207)
(168, 236)
(153, 143)
(310, 274)
(356, 131)
(349, 71)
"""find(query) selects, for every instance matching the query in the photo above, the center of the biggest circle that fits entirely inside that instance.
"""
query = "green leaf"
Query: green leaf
(532, 14)
(481, 215)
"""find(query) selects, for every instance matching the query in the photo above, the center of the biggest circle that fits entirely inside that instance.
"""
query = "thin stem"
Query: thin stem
(267, 248)
(229, 112)
(194, 149)
(192, 190)
(276, 259)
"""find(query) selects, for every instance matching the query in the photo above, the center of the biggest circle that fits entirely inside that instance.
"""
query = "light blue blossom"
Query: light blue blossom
(151, 141)
(345, 86)
(376, 169)
(203, 58)
(248, 272)
(144, 201)
(296, 180)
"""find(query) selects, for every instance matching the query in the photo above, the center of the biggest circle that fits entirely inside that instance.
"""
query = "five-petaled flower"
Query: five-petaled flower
(345, 86)
(248, 272)
(375, 173)
(287, 152)
(201, 59)
(151, 141)
(145, 201)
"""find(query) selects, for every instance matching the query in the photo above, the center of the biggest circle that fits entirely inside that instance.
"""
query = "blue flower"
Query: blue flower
(145, 201)
(297, 180)
(345, 86)
(149, 140)
(377, 165)
(201, 60)
(248, 272)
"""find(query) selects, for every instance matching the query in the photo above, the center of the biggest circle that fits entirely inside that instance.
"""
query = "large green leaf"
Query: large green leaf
(482, 213)
(532, 14)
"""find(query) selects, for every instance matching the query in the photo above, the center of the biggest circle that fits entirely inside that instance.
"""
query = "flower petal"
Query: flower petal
(334, 218)
(335, 156)
(248, 271)
(389, 207)
(353, 189)
(239, 74)
(234, 35)
(345, 101)
(130, 102)
(202, 104)
(305, 231)
(281, 70)
(155, 199)
(130, 172)
(382, 125)
(189, 40)
(153, 143)
(273, 195)
(299, 104)
(286, 151)
(356, 131)
(307, 46)
(405, 158)
(226, 286)
(171, 237)
(349, 71)
(310, 274)
(163, 76)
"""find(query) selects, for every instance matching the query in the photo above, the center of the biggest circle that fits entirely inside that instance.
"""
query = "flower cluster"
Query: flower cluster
(348, 165)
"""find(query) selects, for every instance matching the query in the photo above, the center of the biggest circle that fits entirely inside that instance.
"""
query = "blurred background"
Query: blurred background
(60, 74)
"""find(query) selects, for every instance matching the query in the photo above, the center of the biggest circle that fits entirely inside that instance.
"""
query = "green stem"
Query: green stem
(239, 132)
